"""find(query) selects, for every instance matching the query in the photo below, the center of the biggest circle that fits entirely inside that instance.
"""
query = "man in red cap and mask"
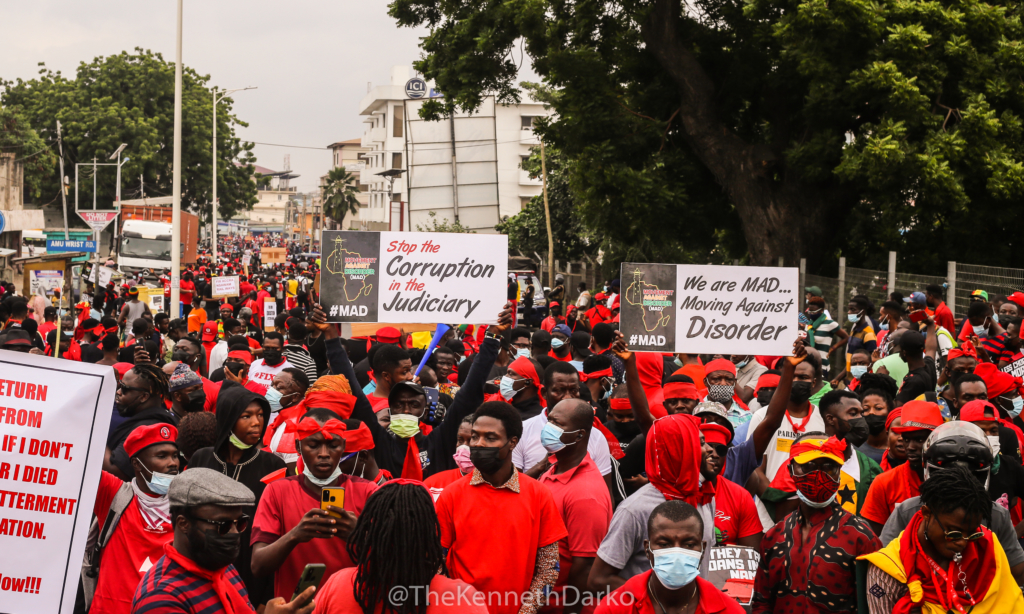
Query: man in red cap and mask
(720, 379)
(134, 517)
(918, 420)
(736, 518)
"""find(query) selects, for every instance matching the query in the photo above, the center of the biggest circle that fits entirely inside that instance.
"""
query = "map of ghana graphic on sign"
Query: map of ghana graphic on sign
(348, 290)
(648, 305)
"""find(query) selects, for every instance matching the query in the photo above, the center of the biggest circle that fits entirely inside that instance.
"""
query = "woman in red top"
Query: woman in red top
(396, 543)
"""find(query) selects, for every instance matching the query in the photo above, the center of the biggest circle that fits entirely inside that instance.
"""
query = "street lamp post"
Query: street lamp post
(176, 201)
(216, 100)
(117, 201)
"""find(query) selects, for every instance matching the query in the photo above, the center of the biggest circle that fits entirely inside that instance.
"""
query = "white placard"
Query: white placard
(708, 309)
(105, 274)
(269, 314)
(45, 282)
(224, 287)
(51, 453)
(247, 258)
(454, 278)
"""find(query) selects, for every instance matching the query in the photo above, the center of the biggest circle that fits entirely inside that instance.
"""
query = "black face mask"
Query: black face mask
(856, 433)
(764, 396)
(486, 459)
(181, 356)
(876, 424)
(628, 430)
(800, 392)
(211, 550)
(272, 357)
(196, 401)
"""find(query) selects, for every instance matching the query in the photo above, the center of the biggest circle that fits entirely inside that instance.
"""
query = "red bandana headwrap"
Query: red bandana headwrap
(585, 377)
(673, 459)
(966, 349)
(619, 404)
(524, 367)
(719, 365)
(307, 427)
(681, 390)
(768, 380)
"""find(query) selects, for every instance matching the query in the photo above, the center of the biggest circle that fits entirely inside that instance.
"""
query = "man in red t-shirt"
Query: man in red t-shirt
(736, 518)
(918, 420)
(582, 500)
(439, 481)
(508, 555)
(943, 316)
(290, 530)
(137, 542)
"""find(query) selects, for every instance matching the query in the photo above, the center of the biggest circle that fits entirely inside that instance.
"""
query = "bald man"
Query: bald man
(580, 494)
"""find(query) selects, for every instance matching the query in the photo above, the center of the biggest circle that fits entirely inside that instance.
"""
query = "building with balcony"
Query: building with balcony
(273, 191)
(351, 155)
(467, 169)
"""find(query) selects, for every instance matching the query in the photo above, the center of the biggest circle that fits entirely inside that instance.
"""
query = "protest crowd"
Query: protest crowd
(536, 464)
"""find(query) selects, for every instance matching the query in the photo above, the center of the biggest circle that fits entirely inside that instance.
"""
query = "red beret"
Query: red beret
(388, 334)
(719, 365)
(149, 435)
(716, 433)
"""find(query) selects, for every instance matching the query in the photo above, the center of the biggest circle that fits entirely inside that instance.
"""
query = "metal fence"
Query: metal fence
(994, 280)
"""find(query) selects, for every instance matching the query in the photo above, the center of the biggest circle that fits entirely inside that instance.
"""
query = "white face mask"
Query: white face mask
(317, 481)
(993, 441)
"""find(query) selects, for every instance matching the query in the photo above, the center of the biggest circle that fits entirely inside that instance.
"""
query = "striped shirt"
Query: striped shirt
(822, 334)
(301, 360)
(168, 588)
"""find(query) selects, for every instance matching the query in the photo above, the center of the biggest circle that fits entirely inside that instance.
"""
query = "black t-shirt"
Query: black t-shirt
(1008, 482)
(624, 432)
(918, 382)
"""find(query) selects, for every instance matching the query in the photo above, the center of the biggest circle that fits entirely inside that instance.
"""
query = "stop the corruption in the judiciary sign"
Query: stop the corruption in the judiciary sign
(54, 417)
(413, 277)
(698, 309)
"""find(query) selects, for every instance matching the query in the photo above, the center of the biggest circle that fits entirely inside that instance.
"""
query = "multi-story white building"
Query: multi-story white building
(417, 158)
(273, 190)
(351, 156)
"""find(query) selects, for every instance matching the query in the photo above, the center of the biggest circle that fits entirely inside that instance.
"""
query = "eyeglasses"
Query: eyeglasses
(125, 388)
(955, 536)
(224, 526)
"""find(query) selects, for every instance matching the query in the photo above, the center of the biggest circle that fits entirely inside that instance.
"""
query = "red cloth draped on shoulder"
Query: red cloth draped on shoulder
(673, 459)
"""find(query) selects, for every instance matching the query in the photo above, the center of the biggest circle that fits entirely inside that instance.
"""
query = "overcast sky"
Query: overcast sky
(311, 59)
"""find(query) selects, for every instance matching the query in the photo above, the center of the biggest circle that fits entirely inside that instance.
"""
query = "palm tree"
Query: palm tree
(340, 194)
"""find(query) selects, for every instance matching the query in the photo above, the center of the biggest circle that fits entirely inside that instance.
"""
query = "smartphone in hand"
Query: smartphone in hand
(332, 496)
(312, 575)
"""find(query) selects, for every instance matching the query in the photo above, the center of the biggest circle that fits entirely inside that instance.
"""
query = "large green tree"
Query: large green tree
(129, 98)
(39, 162)
(897, 120)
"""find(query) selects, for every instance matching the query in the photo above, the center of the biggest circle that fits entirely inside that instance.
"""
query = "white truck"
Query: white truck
(145, 245)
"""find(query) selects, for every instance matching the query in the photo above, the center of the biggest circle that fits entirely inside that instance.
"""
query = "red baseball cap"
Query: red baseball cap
(919, 416)
(974, 411)
(716, 433)
(388, 334)
(149, 435)
(210, 330)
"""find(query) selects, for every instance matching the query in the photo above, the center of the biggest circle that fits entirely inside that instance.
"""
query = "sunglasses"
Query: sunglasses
(224, 526)
(955, 536)
(720, 450)
(125, 388)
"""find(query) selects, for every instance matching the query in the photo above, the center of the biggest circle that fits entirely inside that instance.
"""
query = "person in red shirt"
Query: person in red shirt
(185, 292)
(560, 346)
(245, 288)
(439, 481)
(391, 365)
(674, 549)
(397, 551)
(918, 420)
(582, 500)
(50, 321)
(502, 556)
(137, 541)
(943, 315)
(736, 518)
(290, 529)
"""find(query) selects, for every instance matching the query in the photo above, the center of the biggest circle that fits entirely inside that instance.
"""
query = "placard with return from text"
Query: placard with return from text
(52, 438)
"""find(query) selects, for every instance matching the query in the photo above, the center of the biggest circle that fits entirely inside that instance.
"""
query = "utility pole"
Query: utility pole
(176, 204)
(547, 218)
(63, 182)
(213, 216)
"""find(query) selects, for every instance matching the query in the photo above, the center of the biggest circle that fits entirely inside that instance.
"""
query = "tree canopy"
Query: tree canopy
(129, 98)
(340, 194)
(767, 128)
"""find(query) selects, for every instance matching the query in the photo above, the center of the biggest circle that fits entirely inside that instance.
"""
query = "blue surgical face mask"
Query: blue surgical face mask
(462, 358)
(979, 331)
(551, 438)
(676, 567)
(853, 317)
(607, 394)
(815, 504)
(884, 326)
(317, 481)
(274, 398)
(160, 482)
(523, 353)
(1018, 405)
(741, 364)
(995, 318)
(557, 343)
(507, 391)
(858, 371)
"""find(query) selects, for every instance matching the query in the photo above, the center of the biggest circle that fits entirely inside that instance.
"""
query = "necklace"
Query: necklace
(654, 595)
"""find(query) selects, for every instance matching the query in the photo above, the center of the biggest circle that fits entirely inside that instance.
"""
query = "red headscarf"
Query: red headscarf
(996, 382)
(966, 349)
(307, 427)
(584, 377)
(673, 459)
(524, 367)
(681, 390)
(719, 365)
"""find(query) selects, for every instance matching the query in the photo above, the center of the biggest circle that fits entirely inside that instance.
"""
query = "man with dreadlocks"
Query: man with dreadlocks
(396, 543)
(140, 400)
(945, 560)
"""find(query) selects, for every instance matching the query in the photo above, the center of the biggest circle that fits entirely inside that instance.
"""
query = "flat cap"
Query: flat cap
(202, 486)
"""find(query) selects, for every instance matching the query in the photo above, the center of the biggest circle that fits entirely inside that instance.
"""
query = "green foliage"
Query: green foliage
(18, 137)
(443, 226)
(812, 128)
(129, 98)
(340, 194)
